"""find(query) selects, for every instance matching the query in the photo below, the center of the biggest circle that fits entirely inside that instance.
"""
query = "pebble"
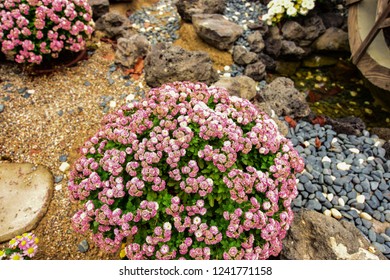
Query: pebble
(343, 166)
(58, 187)
(2, 108)
(83, 246)
(328, 213)
(63, 158)
(360, 198)
(336, 213)
(64, 167)
(58, 178)
(366, 216)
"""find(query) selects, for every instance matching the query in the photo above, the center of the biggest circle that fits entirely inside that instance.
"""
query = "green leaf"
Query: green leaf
(211, 201)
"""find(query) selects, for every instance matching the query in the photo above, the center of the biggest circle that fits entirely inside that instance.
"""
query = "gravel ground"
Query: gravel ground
(46, 119)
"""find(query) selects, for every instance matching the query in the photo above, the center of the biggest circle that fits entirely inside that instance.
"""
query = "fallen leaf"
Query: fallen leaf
(139, 66)
(317, 143)
(319, 120)
(290, 121)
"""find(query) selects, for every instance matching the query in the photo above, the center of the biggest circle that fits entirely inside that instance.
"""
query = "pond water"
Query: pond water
(339, 91)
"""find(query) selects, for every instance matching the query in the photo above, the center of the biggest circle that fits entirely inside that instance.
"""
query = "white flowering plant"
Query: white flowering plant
(188, 173)
(31, 30)
(278, 9)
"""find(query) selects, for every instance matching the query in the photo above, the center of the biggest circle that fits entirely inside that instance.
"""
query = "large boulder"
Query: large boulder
(314, 236)
(25, 194)
(241, 86)
(99, 8)
(284, 99)
(334, 39)
(167, 63)
(129, 50)
(216, 30)
(114, 25)
(188, 8)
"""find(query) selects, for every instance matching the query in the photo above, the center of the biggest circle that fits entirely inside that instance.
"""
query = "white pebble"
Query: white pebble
(330, 196)
(64, 167)
(31, 91)
(227, 75)
(112, 104)
(334, 140)
(336, 213)
(306, 143)
(130, 97)
(365, 216)
(328, 213)
(354, 150)
(370, 158)
(360, 160)
(226, 68)
(58, 187)
(326, 159)
(343, 166)
(341, 202)
(360, 198)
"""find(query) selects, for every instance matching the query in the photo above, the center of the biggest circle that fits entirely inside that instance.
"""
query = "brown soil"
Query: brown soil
(129, 7)
(189, 40)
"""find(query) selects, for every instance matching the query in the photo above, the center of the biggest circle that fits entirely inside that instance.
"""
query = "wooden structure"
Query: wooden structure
(370, 52)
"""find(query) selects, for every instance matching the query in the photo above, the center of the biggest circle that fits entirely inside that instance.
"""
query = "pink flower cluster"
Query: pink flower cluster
(21, 247)
(31, 30)
(171, 174)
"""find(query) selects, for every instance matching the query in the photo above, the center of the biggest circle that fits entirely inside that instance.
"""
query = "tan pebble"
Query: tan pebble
(366, 216)
(336, 213)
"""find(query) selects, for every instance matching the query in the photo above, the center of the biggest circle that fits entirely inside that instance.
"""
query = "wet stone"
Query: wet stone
(58, 178)
(320, 196)
(379, 195)
(309, 187)
(379, 238)
(374, 185)
(380, 247)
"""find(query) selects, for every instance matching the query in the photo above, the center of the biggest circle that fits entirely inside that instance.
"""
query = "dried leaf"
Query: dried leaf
(290, 121)
(139, 66)
(317, 143)
(319, 120)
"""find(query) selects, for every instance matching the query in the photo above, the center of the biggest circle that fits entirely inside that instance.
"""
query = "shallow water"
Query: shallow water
(339, 91)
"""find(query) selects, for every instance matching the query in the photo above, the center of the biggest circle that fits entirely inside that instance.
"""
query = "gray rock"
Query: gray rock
(313, 205)
(256, 42)
(242, 56)
(130, 49)
(332, 19)
(188, 8)
(241, 86)
(347, 125)
(273, 46)
(83, 246)
(314, 27)
(293, 31)
(114, 25)
(314, 236)
(387, 231)
(256, 71)
(289, 48)
(334, 39)
(216, 30)
(166, 63)
(282, 97)
(99, 8)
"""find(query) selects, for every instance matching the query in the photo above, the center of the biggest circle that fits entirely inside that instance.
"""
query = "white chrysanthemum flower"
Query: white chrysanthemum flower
(167, 226)
(291, 11)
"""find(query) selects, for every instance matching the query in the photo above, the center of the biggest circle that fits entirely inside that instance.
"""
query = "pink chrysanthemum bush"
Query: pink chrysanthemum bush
(188, 173)
(21, 247)
(31, 30)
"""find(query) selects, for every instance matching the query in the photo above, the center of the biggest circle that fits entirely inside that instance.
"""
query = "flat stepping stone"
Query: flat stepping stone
(25, 193)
